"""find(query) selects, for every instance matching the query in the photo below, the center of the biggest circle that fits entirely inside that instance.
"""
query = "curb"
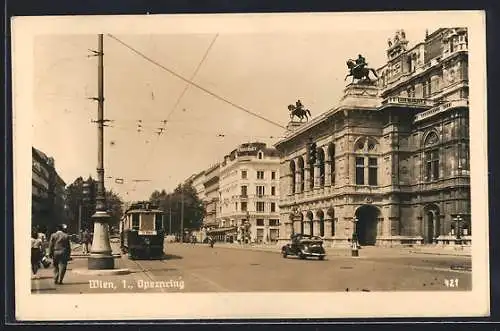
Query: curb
(439, 253)
(335, 252)
(115, 255)
(105, 272)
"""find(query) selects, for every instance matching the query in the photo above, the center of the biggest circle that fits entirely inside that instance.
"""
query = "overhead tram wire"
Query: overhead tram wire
(194, 84)
(165, 123)
(163, 129)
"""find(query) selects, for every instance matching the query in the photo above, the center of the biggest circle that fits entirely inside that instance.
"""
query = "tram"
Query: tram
(142, 232)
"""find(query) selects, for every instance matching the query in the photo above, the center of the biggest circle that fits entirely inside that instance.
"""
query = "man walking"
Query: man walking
(60, 251)
(86, 242)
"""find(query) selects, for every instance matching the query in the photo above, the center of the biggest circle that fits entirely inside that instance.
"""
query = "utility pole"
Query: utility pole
(182, 214)
(170, 217)
(79, 217)
(100, 254)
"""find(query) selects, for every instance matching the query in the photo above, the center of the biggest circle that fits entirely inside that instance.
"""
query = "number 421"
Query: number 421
(451, 282)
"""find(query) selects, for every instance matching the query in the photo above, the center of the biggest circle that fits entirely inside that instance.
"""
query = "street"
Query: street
(225, 268)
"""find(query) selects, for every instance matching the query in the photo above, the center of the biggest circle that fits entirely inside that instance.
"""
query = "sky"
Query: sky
(262, 72)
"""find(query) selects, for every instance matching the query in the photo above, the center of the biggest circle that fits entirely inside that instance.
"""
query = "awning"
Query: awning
(222, 230)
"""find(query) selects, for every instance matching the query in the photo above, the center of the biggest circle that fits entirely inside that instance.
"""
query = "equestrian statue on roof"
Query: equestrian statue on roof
(359, 69)
(299, 111)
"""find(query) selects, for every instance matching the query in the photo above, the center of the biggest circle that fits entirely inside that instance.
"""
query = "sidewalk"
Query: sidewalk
(76, 281)
(77, 250)
(372, 251)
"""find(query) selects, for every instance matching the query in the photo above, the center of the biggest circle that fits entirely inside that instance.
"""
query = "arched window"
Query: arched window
(292, 175)
(260, 155)
(431, 156)
(331, 156)
(321, 161)
(300, 164)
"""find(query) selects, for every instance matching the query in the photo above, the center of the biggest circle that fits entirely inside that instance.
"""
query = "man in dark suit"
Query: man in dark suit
(60, 251)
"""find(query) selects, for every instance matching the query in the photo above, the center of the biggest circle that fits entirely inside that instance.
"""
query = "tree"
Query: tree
(76, 203)
(115, 207)
(171, 204)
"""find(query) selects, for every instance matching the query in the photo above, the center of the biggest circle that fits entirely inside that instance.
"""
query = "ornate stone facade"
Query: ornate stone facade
(392, 159)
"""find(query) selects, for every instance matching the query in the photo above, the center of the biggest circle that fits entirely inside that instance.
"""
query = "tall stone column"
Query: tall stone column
(316, 176)
(316, 227)
(298, 181)
(328, 227)
(307, 179)
(328, 173)
(291, 189)
(307, 226)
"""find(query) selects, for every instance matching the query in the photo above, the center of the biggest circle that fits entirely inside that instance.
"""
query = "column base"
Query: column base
(100, 262)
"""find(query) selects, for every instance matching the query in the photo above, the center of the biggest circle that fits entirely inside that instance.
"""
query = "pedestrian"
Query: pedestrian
(85, 241)
(43, 238)
(36, 253)
(60, 251)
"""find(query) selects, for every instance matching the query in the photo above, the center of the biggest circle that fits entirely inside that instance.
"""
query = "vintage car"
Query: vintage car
(304, 246)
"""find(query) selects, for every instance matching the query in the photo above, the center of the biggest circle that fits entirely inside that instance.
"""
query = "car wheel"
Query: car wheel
(321, 257)
(302, 256)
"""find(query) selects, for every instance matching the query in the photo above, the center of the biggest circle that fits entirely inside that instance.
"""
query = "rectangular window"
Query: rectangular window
(260, 174)
(135, 222)
(158, 222)
(260, 222)
(274, 222)
(435, 164)
(432, 165)
(236, 206)
(372, 171)
(243, 206)
(259, 190)
(273, 207)
(360, 171)
(273, 190)
(273, 175)
(243, 191)
(244, 174)
(259, 206)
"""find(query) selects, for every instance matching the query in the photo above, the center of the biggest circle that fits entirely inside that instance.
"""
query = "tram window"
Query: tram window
(158, 221)
(135, 222)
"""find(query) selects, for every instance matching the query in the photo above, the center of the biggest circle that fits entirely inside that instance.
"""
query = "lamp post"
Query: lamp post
(458, 221)
(100, 254)
(354, 243)
(246, 228)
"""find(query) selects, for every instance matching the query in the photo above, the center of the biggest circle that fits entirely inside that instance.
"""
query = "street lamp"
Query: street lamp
(354, 243)
(100, 254)
(458, 221)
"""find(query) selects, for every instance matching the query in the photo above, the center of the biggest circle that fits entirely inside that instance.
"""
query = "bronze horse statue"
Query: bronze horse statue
(299, 112)
(358, 72)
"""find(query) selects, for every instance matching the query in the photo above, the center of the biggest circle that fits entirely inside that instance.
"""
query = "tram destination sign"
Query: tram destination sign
(147, 233)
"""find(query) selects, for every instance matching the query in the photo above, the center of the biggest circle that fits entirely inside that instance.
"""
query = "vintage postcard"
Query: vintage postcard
(222, 166)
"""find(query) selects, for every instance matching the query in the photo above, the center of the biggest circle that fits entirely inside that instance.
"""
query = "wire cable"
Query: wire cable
(193, 83)
(162, 130)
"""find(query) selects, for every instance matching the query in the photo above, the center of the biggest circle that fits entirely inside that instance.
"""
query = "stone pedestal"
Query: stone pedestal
(363, 95)
(292, 126)
(100, 253)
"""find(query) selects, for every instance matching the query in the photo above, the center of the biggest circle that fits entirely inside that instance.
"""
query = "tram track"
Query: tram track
(145, 271)
(185, 272)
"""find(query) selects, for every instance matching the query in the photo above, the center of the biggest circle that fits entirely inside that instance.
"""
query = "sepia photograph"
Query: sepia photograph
(251, 166)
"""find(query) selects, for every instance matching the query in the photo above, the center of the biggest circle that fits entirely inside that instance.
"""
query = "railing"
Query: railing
(441, 108)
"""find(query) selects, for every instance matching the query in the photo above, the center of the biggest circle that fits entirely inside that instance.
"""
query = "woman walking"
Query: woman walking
(36, 253)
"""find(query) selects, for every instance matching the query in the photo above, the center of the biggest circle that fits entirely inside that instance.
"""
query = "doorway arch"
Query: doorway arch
(366, 227)
(431, 226)
(321, 218)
